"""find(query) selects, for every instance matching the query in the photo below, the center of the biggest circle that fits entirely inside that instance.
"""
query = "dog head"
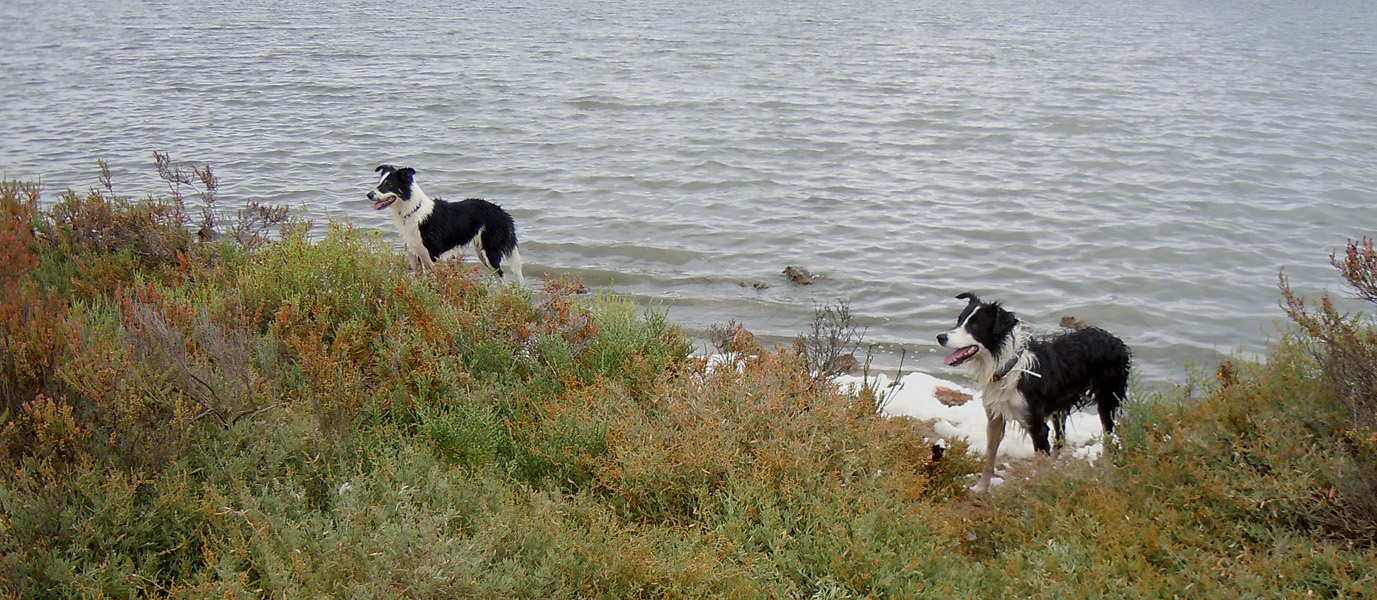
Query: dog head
(394, 184)
(980, 331)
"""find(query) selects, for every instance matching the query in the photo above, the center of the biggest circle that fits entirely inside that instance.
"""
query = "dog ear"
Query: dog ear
(1004, 321)
(384, 168)
(969, 296)
(406, 173)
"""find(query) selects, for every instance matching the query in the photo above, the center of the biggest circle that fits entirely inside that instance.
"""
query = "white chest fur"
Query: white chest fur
(409, 214)
(1001, 396)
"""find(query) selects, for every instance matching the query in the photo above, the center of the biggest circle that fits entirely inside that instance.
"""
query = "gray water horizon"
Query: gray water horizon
(1149, 169)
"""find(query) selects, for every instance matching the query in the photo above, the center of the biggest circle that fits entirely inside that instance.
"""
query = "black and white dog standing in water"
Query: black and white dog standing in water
(432, 227)
(1029, 379)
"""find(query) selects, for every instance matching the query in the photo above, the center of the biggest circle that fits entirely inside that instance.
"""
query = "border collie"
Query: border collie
(1028, 379)
(432, 227)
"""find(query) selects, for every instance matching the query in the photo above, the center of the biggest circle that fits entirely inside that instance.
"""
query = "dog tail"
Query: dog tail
(514, 265)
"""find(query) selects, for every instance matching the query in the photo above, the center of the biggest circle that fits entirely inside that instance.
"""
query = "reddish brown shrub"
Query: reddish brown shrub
(1345, 348)
(33, 328)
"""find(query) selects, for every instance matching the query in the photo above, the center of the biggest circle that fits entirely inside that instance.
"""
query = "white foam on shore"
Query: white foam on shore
(916, 396)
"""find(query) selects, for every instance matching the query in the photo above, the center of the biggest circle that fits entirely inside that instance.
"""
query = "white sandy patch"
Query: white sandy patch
(916, 396)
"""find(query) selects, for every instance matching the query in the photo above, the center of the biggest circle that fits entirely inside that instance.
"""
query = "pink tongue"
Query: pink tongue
(955, 356)
(379, 205)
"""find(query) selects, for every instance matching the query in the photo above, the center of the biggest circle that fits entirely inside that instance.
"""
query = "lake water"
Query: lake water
(1145, 166)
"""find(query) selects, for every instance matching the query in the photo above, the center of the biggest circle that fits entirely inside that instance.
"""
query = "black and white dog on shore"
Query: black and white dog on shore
(1028, 379)
(432, 227)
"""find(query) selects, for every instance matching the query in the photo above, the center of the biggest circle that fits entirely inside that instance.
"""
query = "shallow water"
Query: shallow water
(1147, 167)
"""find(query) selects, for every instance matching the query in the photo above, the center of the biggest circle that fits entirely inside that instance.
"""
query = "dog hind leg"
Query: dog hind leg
(514, 266)
(1058, 432)
(1038, 431)
(493, 258)
(481, 249)
(1109, 392)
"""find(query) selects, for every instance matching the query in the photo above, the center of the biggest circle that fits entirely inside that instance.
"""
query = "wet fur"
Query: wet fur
(1047, 376)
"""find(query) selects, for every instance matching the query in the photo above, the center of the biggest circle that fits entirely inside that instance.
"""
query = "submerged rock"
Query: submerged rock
(1073, 323)
(801, 276)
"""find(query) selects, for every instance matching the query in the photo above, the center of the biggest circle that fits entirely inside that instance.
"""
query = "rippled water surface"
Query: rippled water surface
(1146, 166)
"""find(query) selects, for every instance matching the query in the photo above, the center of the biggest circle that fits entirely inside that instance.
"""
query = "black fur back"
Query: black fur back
(1077, 368)
(453, 224)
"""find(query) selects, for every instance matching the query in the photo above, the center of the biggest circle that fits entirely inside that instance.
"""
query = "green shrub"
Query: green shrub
(348, 274)
(631, 348)
(468, 433)
(100, 530)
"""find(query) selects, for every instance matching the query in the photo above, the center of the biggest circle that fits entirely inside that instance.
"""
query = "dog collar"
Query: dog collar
(1004, 372)
(413, 211)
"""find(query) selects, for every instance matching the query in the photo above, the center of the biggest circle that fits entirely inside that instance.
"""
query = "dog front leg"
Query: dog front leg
(994, 434)
(421, 261)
